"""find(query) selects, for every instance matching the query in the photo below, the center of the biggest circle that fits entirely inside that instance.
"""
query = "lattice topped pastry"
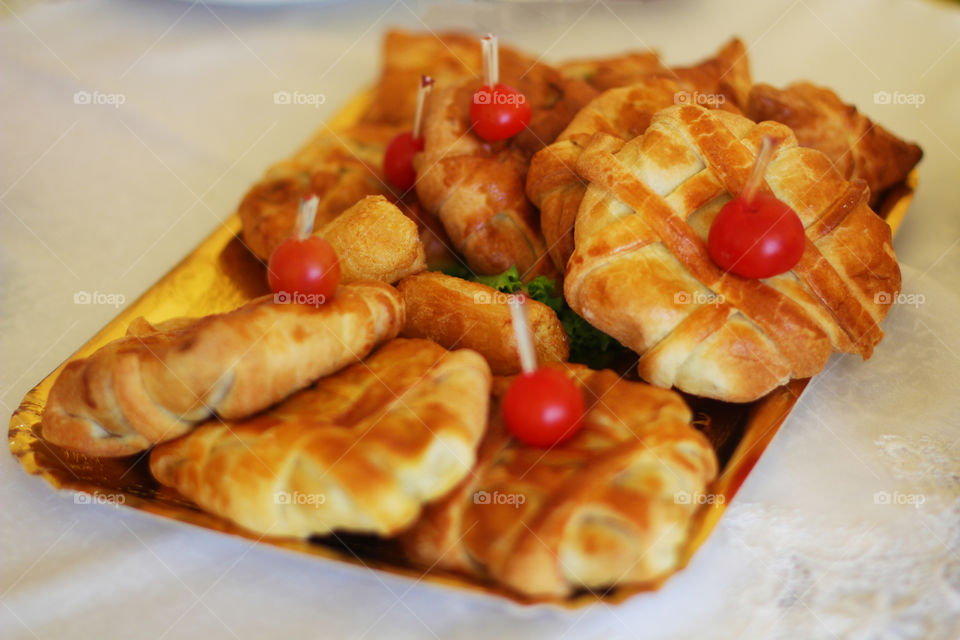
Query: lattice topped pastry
(598, 510)
(552, 183)
(362, 450)
(641, 271)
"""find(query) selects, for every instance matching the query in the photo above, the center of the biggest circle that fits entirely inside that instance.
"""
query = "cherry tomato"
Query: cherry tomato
(759, 239)
(306, 267)
(542, 408)
(499, 113)
(398, 160)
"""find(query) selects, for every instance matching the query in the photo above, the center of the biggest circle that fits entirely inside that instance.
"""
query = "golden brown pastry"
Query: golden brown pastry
(858, 147)
(552, 184)
(458, 313)
(641, 271)
(727, 73)
(361, 451)
(160, 381)
(477, 188)
(611, 506)
(339, 168)
(375, 241)
(618, 71)
(447, 57)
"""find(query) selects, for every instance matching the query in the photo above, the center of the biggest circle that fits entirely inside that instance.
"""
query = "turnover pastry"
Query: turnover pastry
(618, 71)
(459, 313)
(339, 168)
(447, 57)
(360, 451)
(727, 73)
(858, 147)
(552, 183)
(160, 381)
(611, 506)
(476, 188)
(641, 271)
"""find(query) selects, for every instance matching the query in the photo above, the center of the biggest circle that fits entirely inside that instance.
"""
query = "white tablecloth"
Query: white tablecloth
(848, 527)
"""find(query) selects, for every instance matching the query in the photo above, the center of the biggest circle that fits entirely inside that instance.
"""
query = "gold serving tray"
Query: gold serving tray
(221, 274)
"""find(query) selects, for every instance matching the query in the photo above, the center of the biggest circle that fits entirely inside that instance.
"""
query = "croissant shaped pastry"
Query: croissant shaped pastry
(476, 188)
(598, 510)
(552, 183)
(641, 271)
(361, 451)
(159, 382)
(858, 147)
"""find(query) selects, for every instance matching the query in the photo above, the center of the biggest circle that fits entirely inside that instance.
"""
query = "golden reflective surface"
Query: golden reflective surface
(221, 274)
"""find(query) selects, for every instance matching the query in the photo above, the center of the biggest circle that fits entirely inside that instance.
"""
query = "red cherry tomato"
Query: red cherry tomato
(307, 267)
(759, 239)
(398, 160)
(542, 408)
(499, 113)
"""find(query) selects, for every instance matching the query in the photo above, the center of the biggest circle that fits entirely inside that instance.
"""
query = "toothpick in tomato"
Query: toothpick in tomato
(398, 158)
(304, 266)
(497, 111)
(755, 235)
(541, 407)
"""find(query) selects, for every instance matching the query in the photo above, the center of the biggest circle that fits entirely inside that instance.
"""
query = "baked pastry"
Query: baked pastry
(613, 505)
(375, 241)
(339, 168)
(476, 188)
(641, 271)
(552, 184)
(618, 71)
(160, 381)
(727, 73)
(447, 57)
(858, 147)
(459, 313)
(361, 451)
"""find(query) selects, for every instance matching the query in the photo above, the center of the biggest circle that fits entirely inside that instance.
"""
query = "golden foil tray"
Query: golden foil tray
(221, 274)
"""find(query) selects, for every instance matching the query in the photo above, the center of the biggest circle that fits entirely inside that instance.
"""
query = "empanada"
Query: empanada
(641, 271)
(447, 57)
(858, 147)
(160, 381)
(613, 505)
(339, 168)
(727, 73)
(360, 451)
